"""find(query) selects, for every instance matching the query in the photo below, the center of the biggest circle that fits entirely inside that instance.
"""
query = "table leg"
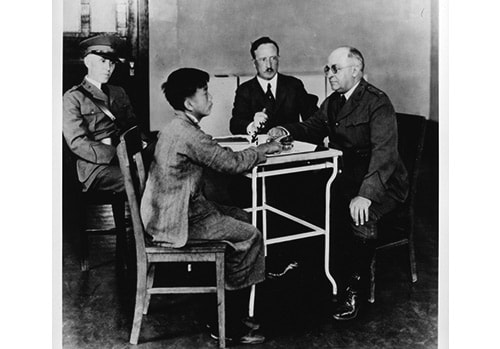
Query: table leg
(251, 302)
(264, 214)
(327, 226)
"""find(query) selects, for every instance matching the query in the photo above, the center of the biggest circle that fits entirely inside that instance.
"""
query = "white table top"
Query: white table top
(301, 151)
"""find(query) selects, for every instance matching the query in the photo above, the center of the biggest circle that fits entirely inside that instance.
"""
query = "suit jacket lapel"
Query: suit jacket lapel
(280, 92)
(353, 101)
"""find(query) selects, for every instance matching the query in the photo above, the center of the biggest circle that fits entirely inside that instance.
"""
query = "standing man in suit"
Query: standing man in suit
(359, 120)
(90, 132)
(270, 98)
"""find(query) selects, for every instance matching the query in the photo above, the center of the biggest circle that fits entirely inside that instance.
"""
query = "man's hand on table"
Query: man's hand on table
(269, 148)
(359, 209)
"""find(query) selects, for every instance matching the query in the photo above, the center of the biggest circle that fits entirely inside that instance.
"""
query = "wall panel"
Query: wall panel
(215, 35)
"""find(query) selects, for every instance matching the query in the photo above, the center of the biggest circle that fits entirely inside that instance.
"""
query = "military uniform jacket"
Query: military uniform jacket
(291, 97)
(365, 129)
(85, 125)
(173, 195)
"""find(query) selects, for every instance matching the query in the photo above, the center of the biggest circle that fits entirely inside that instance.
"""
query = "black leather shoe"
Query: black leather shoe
(348, 308)
(249, 322)
(250, 337)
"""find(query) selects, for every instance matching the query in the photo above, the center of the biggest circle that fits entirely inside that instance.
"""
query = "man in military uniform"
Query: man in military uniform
(359, 120)
(94, 115)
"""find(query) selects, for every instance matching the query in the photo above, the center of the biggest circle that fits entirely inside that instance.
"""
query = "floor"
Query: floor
(294, 311)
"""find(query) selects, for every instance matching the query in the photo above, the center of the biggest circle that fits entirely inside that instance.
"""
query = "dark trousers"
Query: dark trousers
(109, 179)
(354, 246)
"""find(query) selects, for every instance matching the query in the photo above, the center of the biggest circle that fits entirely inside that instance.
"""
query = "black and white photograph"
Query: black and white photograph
(250, 173)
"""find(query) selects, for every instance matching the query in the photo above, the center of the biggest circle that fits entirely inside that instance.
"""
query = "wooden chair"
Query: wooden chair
(134, 172)
(411, 135)
(83, 201)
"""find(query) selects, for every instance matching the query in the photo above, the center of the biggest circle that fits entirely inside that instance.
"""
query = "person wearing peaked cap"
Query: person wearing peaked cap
(358, 119)
(104, 45)
(89, 131)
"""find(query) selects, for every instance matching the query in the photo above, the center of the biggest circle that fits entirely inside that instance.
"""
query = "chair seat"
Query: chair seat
(198, 248)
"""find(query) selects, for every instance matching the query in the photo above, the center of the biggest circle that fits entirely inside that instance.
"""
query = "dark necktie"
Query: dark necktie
(269, 94)
(342, 101)
(269, 100)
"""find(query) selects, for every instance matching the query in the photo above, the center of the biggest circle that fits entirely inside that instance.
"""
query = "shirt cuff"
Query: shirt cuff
(250, 128)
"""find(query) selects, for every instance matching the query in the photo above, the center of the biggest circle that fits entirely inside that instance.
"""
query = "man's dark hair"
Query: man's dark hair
(182, 84)
(260, 41)
(355, 53)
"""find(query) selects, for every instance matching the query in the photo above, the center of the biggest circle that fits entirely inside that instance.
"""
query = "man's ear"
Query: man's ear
(86, 60)
(356, 71)
(187, 104)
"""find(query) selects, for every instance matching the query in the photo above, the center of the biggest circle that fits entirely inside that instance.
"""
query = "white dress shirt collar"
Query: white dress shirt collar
(93, 82)
(192, 118)
(349, 93)
(263, 83)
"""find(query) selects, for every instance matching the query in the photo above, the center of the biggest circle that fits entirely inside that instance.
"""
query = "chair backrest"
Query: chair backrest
(134, 174)
(411, 135)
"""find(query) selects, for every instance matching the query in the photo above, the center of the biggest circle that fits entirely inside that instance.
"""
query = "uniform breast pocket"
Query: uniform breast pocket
(357, 120)
(91, 118)
(358, 129)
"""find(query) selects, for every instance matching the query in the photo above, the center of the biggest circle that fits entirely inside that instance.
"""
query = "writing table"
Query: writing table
(301, 158)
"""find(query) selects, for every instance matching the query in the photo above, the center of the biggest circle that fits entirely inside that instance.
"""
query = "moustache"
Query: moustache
(269, 70)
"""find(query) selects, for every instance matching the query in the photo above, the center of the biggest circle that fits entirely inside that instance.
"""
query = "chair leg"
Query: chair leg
(84, 250)
(413, 263)
(139, 304)
(83, 242)
(221, 305)
(121, 233)
(149, 283)
(411, 248)
(371, 298)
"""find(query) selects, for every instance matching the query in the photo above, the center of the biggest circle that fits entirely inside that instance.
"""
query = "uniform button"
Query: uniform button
(336, 124)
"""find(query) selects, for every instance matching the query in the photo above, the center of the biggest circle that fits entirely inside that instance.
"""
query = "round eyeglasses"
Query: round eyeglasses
(334, 68)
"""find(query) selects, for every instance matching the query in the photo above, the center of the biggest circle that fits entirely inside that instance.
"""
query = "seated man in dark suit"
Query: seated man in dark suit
(359, 119)
(90, 132)
(270, 98)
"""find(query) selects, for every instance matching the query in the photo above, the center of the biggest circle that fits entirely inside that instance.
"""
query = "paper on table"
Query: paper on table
(298, 147)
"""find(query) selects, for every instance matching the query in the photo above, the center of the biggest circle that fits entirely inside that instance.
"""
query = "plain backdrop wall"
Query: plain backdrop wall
(215, 35)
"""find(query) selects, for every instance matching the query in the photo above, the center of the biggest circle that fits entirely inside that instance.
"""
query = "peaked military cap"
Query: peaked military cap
(104, 45)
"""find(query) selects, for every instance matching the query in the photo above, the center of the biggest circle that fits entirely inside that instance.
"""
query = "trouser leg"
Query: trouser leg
(365, 238)
(109, 179)
(244, 262)
(362, 248)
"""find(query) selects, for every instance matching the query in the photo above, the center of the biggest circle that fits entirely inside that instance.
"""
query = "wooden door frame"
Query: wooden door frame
(139, 40)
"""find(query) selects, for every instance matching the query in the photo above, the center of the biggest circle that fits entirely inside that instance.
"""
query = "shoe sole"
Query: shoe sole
(343, 318)
(230, 340)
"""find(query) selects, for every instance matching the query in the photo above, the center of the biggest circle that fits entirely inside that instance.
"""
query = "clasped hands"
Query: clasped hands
(259, 120)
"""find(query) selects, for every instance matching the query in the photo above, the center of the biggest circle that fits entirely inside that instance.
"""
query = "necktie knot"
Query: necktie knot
(342, 101)
(269, 93)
